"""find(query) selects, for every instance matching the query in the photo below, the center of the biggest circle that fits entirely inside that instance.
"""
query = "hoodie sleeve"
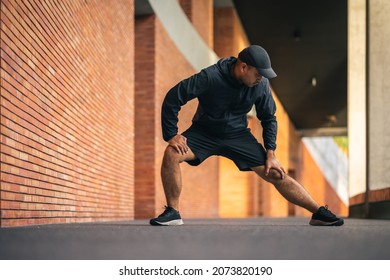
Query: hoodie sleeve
(265, 110)
(178, 96)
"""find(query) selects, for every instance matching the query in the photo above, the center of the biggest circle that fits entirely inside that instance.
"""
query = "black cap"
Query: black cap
(257, 57)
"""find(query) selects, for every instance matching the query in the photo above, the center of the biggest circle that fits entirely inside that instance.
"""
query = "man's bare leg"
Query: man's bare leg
(171, 174)
(289, 188)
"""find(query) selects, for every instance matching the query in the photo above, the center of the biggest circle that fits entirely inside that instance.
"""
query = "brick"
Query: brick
(67, 111)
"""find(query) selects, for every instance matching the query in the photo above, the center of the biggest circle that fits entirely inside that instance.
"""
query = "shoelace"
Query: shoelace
(165, 211)
(327, 212)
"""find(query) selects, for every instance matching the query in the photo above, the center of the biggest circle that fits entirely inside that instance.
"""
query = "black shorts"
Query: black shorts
(241, 147)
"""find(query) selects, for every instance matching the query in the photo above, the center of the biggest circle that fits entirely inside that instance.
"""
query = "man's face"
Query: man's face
(251, 76)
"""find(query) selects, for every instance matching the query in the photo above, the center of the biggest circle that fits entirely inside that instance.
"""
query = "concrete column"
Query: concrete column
(379, 94)
(379, 110)
(369, 113)
(357, 96)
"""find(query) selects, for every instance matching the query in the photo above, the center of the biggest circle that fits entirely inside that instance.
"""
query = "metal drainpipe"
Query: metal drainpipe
(366, 195)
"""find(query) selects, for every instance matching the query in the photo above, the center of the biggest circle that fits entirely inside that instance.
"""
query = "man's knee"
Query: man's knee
(171, 155)
(272, 176)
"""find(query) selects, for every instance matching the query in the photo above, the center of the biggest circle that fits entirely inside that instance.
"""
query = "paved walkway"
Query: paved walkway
(257, 238)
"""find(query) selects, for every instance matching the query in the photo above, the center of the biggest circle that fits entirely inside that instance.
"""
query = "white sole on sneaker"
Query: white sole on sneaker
(178, 222)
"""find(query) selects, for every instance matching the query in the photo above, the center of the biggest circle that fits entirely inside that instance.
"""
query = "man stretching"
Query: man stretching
(226, 92)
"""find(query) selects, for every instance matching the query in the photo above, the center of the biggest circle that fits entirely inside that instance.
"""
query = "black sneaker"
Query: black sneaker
(324, 217)
(170, 217)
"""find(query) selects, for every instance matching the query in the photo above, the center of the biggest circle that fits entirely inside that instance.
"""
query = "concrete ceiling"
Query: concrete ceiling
(307, 43)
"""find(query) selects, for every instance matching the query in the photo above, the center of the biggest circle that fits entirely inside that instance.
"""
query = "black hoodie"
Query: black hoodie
(223, 103)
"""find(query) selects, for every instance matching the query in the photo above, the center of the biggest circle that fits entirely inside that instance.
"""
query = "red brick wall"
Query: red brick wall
(66, 111)
(229, 36)
(317, 185)
(200, 13)
(145, 116)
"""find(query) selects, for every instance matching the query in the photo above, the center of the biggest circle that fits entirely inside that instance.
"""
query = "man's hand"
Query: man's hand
(179, 143)
(273, 163)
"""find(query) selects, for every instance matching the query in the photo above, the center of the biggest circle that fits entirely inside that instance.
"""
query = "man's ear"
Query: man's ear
(243, 66)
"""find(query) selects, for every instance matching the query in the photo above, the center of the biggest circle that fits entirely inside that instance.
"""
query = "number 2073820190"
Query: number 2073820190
(231, 270)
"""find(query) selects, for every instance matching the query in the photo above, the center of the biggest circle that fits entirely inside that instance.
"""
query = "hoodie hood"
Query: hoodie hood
(224, 66)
